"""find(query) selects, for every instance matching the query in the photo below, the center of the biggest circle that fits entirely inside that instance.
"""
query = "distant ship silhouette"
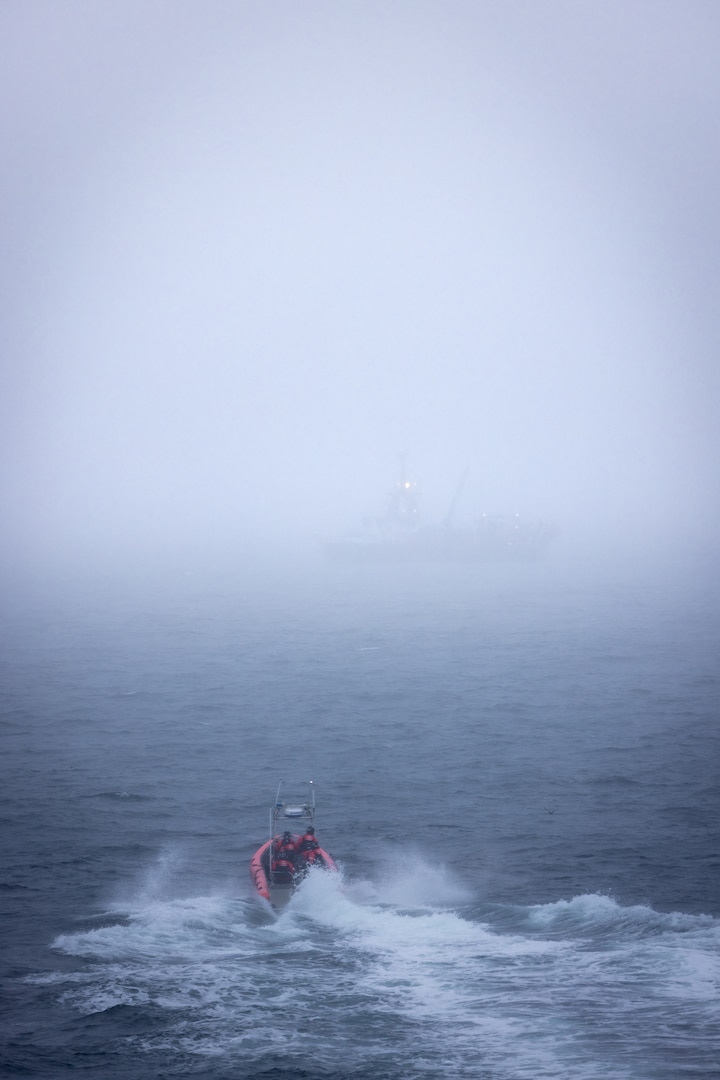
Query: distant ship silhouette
(399, 535)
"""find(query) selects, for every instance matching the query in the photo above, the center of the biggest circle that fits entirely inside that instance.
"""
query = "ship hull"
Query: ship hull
(500, 545)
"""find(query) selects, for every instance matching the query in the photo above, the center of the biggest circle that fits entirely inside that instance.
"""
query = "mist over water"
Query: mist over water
(254, 253)
(255, 257)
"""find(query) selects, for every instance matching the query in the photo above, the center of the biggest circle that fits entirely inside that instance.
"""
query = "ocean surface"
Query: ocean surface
(515, 766)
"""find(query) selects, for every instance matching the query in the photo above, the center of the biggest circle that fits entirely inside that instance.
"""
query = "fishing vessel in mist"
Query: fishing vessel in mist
(400, 535)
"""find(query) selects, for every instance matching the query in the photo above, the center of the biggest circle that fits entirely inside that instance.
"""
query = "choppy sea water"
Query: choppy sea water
(516, 767)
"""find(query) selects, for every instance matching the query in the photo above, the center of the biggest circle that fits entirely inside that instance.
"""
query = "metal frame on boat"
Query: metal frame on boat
(278, 885)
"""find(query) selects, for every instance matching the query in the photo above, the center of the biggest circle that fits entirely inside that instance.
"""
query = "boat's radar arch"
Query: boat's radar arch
(296, 811)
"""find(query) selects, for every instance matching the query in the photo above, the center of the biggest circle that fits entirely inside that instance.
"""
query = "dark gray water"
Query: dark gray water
(515, 766)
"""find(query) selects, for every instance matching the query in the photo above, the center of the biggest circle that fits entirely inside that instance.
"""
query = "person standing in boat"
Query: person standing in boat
(308, 851)
(285, 854)
(308, 841)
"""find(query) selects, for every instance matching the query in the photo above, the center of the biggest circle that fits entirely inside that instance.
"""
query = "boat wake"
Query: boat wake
(408, 879)
(557, 990)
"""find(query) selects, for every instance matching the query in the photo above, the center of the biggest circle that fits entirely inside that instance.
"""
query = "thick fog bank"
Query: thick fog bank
(302, 579)
(254, 253)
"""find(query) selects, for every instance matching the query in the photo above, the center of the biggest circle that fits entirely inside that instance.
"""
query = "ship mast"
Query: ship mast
(458, 492)
(403, 508)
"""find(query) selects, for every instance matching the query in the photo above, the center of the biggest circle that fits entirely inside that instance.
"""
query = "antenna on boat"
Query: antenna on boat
(274, 811)
(311, 785)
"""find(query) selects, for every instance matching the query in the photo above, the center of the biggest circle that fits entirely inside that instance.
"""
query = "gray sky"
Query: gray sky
(254, 251)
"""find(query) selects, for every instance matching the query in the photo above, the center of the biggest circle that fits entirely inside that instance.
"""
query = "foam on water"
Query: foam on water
(406, 878)
(426, 978)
